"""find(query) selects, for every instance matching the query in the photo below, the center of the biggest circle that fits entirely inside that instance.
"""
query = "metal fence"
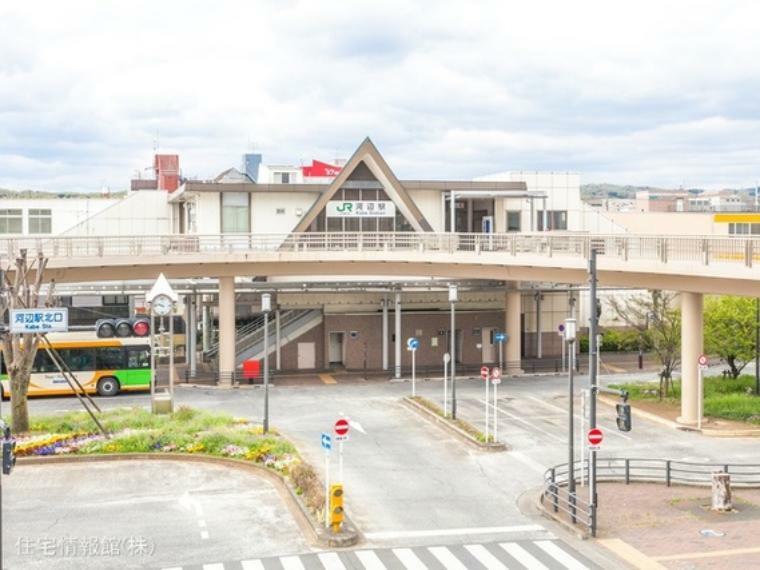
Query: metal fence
(663, 249)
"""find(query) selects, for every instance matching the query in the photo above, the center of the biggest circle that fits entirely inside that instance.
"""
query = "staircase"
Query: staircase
(249, 339)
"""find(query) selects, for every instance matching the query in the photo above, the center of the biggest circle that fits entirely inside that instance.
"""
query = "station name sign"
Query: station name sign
(39, 320)
(361, 209)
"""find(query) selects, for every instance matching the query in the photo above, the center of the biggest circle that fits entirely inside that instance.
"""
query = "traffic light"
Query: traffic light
(109, 328)
(9, 452)
(336, 506)
(624, 416)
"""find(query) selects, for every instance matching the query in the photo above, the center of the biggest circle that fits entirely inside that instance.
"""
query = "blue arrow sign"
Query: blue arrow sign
(326, 441)
(500, 337)
(412, 343)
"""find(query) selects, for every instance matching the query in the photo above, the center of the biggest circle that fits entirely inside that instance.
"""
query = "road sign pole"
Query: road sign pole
(340, 462)
(501, 354)
(327, 489)
(488, 403)
(571, 433)
(495, 412)
(701, 397)
(563, 356)
(582, 443)
(445, 386)
(414, 387)
(593, 322)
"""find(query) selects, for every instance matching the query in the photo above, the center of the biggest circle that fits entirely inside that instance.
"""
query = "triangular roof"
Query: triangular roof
(368, 154)
(233, 175)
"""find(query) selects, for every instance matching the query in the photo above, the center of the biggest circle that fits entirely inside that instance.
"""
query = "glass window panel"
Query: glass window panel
(138, 357)
(236, 213)
(43, 362)
(110, 358)
(513, 221)
(11, 221)
(79, 358)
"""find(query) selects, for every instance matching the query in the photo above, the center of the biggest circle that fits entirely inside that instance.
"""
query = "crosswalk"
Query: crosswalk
(548, 554)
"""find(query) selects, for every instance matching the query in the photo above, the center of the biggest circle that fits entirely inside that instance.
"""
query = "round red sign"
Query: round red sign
(595, 436)
(341, 427)
(484, 372)
(495, 373)
(702, 360)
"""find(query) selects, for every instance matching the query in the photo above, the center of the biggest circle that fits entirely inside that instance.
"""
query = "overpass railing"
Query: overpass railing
(701, 250)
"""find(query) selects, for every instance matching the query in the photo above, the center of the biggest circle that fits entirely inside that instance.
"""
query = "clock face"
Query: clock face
(161, 305)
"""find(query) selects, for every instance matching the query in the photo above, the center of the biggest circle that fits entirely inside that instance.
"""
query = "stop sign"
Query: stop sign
(484, 372)
(341, 427)
(595, 436)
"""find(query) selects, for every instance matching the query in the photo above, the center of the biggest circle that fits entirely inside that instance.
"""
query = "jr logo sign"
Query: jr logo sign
(360, 209)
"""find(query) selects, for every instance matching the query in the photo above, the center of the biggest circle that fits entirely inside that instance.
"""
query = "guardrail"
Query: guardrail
(630, 470)
(701, 250)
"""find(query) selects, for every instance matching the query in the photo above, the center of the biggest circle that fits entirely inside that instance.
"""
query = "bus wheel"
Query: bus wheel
(108, 386)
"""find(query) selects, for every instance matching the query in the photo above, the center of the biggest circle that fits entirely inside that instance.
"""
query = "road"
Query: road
(411, 485)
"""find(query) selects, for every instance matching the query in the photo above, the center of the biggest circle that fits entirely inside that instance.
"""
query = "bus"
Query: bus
(103, 366)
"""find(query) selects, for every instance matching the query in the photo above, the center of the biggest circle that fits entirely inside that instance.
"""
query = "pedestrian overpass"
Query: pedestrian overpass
(694, 266)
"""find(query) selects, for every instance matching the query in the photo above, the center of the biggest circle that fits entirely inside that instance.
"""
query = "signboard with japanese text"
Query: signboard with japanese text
(360, 209)
(39, 320)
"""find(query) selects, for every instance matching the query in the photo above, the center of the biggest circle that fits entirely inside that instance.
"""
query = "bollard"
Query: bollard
(721, 492)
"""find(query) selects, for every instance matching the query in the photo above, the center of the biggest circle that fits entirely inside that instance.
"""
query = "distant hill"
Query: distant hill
(42, 194)
(605, 190)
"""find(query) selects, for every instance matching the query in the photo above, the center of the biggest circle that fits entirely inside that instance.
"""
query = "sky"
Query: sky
(661, 93)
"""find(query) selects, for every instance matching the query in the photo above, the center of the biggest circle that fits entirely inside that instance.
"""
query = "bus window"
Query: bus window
(43, 362)
(79, 358)
(138, 357)
(109, 358)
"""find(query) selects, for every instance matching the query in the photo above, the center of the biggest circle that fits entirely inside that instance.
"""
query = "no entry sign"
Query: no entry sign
(702, 361)
(484, 372)
(595, 437)
(341, 427)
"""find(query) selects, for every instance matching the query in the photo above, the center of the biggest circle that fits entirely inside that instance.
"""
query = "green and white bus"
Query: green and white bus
(102, 366)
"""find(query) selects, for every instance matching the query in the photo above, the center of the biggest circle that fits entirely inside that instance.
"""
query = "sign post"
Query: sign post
(39, 320)
(413, 344)
(446, 358)
(702, 363)
(561, 333)
(595, 438)
(327, 446)
(500, 338)
(485, 374)
(341, 434)
(496, 379)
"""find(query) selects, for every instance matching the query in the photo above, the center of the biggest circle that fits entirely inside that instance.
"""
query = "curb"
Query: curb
(317, 534)
(710, 432)
(457, 432)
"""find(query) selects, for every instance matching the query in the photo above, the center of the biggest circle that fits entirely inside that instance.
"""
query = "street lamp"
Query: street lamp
(570, 334)
(453, 298)
(266, 306)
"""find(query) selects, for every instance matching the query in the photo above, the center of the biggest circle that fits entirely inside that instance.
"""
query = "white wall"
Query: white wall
(429, 203)
(142, 212)
(66, 212)
(264, 206)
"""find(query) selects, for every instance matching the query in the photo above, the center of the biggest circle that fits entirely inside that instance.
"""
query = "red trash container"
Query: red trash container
(251, 369)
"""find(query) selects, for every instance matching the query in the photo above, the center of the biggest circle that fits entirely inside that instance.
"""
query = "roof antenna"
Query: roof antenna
(156, 143)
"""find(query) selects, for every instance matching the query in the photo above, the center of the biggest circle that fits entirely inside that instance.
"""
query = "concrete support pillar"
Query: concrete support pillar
(691, 349)
(539, 332)
(278, 354)
(226, 328)
(385, 333)
(512, 310)
(191, 326)
(206, 323)
(397, 344)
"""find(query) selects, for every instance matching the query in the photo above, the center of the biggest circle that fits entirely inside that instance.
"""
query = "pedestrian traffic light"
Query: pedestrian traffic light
(109, 328)
(9, 452)
(624, 416)
(336, 506)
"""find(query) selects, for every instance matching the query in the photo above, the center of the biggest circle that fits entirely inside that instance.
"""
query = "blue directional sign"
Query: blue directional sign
(39, 320)
(326, 441)
(412, 343)
(500, 337)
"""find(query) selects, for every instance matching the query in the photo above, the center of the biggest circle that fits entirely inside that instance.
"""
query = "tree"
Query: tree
(19, 350)
(730, 330)
(657, 319)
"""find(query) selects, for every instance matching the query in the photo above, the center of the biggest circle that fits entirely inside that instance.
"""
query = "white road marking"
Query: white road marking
(217, 566)
(173, 568)
(526, 422)
(522, 556)
(369, 560)
(608, 429)
(291, 563)
(381, 535)
(525, 460)
(202, 523)
(204, 535)
(252, 564)
(445, 557)
(559, 555)
(483, 556)
(329, 560)
(409, 559)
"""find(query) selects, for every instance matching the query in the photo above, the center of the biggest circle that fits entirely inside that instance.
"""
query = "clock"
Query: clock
(161, 305)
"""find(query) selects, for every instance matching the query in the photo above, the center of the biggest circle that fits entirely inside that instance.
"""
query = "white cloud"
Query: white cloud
(646, 92)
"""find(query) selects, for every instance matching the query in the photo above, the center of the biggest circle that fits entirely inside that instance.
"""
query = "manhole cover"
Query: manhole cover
(712, 533)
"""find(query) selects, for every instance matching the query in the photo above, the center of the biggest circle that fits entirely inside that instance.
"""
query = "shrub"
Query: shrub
(308, 485)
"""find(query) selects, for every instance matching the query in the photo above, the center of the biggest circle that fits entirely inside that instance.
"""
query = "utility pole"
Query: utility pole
(757, 346)
(266, 306)
(593, 382)
(570, 333)
(453, 297)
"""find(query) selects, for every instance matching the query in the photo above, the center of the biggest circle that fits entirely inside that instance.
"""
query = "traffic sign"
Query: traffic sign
(500, 337)
(412, 343)
(326, 441)
(595, 437)
(39, 320)
(341, 427)
(702, 361)
(484, 372)
(496, 373)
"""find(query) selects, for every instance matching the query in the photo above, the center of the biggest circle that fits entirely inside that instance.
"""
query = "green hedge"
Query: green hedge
(617, 340)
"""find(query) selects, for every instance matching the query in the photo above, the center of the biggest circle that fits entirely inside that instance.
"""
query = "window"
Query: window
(10, 221)
(115, 300)
(513, 220)
(282, 177)
(743, 229)
(557, 219)
(236, 215)
(40, 221)
(280, 211)
(109, 358)
(79, 359)
(43, 363)
(138, 357)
